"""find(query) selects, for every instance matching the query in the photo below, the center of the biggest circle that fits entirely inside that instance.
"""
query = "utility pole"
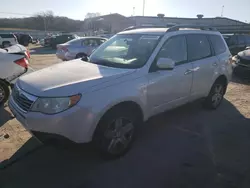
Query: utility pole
(44, 21)
(222, 10)
(143, 8)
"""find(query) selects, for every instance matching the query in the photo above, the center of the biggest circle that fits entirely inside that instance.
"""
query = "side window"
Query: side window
(175, 48)
(218, 44)
(241, 39)
(198, 47)
(85, 42)
(7, 35)
(101, 41)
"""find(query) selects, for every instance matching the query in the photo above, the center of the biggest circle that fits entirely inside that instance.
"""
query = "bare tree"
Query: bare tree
(92, 15)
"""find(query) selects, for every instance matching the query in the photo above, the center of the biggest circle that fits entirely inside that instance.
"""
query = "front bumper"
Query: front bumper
(240, 68)
(75, 123)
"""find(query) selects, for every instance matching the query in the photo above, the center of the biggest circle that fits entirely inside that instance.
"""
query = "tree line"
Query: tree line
(45, 21)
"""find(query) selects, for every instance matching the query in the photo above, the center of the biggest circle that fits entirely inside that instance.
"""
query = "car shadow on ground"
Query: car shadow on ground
(4, 115)
(42, 50)
(185, 147)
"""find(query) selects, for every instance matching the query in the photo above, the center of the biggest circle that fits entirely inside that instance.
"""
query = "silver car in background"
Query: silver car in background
(78, 48)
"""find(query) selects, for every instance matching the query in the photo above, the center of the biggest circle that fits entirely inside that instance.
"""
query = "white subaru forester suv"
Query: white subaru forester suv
(136, 74)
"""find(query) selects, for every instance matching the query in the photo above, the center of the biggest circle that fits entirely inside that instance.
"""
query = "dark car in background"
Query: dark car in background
(47, 41)
(60, 39)
(24, 39)
(237, 42)
(241, 63)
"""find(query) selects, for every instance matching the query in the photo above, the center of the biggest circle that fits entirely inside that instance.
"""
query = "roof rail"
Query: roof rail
(138, 27)
(201, 27)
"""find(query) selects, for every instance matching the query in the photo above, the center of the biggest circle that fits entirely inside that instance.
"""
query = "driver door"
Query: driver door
(170, 88)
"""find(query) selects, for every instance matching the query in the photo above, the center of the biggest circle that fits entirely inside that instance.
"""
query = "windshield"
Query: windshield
(125, 51)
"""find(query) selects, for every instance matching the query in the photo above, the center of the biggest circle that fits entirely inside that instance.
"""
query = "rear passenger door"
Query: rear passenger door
(204, 64)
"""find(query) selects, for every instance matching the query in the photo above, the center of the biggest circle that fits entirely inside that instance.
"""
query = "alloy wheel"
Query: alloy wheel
(2, 94)
(218, 95)
(119, 134)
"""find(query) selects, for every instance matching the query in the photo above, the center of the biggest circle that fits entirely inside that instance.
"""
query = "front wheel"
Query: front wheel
(115, 133)
(4, 92)
(216, 95)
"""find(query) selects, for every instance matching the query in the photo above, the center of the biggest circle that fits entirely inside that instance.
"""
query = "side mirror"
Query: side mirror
(248, 48)
(165, 64)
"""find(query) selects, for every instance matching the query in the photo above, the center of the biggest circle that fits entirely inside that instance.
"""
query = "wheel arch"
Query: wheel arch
(223, 79)
(81, 53)
(128, 104)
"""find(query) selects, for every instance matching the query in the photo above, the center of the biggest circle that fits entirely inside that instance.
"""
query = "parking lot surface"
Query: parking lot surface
(185, 147)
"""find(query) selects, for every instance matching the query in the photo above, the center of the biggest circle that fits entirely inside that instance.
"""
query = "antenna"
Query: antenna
(143, 8)
(222, 10)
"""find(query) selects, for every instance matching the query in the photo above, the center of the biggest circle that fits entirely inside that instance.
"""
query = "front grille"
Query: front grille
(22, 99)
(244, 62)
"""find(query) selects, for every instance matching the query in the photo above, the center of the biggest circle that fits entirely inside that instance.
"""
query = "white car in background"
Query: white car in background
(7, 40)
(78, 48)
(14, 62)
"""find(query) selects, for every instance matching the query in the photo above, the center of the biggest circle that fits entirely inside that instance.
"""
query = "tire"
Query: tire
(6, 44)
(216, 94)
(4, 92)
(115, 132)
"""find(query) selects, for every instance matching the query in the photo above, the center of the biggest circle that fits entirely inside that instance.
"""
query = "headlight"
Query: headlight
(54, 105)
(235, 58)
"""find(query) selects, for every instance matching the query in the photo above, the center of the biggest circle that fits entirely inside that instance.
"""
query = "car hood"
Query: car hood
(69, 78)
(244, 54)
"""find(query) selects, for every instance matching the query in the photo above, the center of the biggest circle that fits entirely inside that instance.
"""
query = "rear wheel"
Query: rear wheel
(115, 132)
(4, 92)
(216, 95)
(6, 44)
(80, 55)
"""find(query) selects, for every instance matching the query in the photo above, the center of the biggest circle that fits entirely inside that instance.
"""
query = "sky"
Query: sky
(77, 9)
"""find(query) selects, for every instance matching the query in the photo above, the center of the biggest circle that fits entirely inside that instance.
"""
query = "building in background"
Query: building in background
(161, 20)
(110, 24)
(106, 24)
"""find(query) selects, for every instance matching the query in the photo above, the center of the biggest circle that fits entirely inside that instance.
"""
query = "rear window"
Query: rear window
(218, 44)
(74, 42)
(7, 36)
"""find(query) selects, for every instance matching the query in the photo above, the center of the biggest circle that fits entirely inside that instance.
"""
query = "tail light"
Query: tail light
(22, 62)
(27, 53)
(64, 48)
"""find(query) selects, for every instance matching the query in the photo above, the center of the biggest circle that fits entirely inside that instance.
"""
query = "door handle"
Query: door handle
(215, 64)
(188, 71)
